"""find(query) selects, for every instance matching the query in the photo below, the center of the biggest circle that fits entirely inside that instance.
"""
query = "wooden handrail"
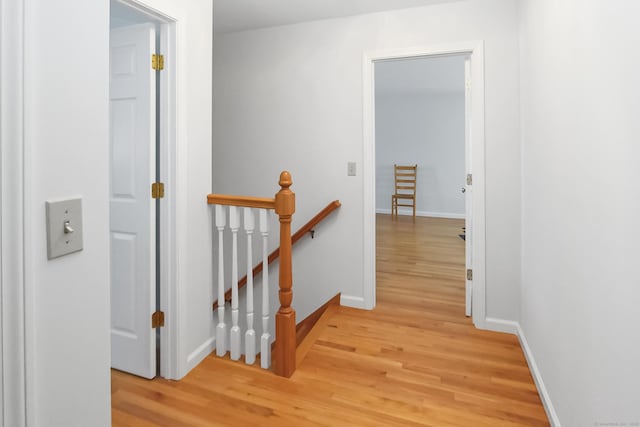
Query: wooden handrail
(276, 253)
(315, 220)
(242, 201)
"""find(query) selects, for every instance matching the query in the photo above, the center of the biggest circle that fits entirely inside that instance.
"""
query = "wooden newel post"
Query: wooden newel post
(285, 206)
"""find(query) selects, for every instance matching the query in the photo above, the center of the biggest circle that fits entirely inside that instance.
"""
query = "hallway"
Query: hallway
(415, 360)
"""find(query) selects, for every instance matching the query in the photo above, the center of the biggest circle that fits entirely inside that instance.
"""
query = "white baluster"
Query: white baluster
(221, 329)
(250, 334)
(265, 344)
(234, 224)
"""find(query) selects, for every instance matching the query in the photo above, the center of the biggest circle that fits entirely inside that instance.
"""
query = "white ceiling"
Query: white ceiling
(240, 15)
(441, 74)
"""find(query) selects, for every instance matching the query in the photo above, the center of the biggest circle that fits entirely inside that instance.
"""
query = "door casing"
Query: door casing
(476, 163)
(14, 331)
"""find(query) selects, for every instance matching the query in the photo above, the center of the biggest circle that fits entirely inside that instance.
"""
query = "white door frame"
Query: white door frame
(475, 50)
(13, 375)
(169, 334)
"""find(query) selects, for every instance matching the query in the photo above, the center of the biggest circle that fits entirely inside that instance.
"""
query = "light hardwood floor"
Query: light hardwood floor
(415, 360)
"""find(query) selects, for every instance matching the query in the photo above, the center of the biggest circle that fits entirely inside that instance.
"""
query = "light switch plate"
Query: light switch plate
(351, 169)
(64, 227)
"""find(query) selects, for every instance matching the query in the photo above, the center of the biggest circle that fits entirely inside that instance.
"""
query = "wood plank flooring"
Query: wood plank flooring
(415, 360)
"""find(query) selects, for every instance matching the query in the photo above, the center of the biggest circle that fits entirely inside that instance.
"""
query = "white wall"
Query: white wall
(66, 151)
(66, 147)
(426, 129)
(580, 205)
(291, 98)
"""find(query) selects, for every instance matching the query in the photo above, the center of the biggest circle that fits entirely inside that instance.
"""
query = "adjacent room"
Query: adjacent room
(420, 148)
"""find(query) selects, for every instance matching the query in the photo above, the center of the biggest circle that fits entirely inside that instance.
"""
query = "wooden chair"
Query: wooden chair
(405, 188)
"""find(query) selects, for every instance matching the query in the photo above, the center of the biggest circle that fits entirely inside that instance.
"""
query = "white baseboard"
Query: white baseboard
(511, 327)
(423, 213)
(199, 354)
(537, 378)
(499, 325)
(351, 301)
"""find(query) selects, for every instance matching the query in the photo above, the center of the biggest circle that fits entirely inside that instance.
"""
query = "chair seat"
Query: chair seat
(404, 196)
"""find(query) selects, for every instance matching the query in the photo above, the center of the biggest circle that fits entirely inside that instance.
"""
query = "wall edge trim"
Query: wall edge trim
(353, 301)
(537, 378)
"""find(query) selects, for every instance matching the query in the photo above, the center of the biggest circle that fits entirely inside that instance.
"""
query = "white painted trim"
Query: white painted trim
(169, 335)
(13, 380)
(475, 49)
(170, 364)
(537, 378)
(511, 327)
(355, 302)
(501, 325)
(369, 182)
(199, 354)
(30, 313)
(426, 214)
(179, 203)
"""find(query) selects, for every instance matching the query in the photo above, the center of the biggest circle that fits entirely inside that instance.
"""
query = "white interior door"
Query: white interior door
(468, 193)
(133, 218)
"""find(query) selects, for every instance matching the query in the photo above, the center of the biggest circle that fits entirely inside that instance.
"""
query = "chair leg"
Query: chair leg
(392, 205)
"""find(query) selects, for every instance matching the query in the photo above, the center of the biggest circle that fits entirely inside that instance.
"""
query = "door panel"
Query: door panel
(132, 210)
(123, 149)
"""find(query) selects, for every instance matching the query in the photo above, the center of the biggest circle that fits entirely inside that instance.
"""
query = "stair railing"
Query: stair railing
(308, 228)
(284, 206)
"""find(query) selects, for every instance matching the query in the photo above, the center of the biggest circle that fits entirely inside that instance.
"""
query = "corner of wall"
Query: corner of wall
(354, 302)
(537, 378)
(498, 325)
(198, 355)
(512, 327)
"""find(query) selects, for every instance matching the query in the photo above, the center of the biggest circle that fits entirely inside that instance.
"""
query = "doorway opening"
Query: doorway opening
(420, 121)
(462, 196)
(142, 154)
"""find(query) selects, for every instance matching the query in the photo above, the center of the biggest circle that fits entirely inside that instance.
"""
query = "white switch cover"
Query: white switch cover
(351, 169)
(64, 227)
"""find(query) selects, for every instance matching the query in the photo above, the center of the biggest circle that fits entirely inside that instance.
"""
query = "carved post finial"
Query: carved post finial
(285, 180)
(285, 199)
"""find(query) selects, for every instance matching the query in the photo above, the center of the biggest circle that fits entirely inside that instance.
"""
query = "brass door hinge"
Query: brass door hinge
(469, 179)
(469, 274)
(157, 319)
(157, 62)
(157, 190)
